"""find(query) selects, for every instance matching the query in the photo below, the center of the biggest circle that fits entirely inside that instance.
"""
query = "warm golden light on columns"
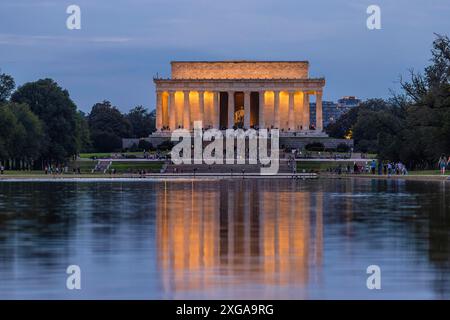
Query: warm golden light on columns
(319, 118)
(230, 109)
(247, 109)
(268, 112)
(194, 108)
(165, 109)
(186, 111)
(298, 110)
(179, 109)
(201, 106)
(305, 111)
(276, 109)
(208, 116)
(262, 106)
(172, 111)
(283, 110)
(291, 120)
(159, 115)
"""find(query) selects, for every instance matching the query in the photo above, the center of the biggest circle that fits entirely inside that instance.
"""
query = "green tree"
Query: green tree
(8, 127)
(84, 136)
(57, 111)
(7, 85)
(107, 126)
(427, 114)
(141, 122)
(342, 127)
(413, 126)
(20, 135)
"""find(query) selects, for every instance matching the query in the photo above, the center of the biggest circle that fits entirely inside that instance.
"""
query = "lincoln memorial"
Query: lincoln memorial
(239, 94)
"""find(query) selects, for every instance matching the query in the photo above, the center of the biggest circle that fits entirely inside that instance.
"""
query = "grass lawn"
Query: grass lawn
(22, 173)
(136, 166)
(85, 166)
(98, 155)
(107, 155)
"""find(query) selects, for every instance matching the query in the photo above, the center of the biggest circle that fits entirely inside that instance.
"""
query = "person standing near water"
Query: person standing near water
(373, 166)
(442, 163)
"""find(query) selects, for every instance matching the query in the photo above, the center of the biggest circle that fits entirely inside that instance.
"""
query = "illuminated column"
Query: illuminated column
(276, 109)
(247, 109)
(230, 109)
(262, 106)
(291, 120)
(159, 115)
(201, 107)
(186, 112)
(305, 111)
(172, 112)
(216, 122)
(319, 118)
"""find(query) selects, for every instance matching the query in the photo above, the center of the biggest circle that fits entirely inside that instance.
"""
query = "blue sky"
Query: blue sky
(123, 43)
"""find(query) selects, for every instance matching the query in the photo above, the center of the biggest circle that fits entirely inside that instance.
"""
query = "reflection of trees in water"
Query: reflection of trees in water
(118, 210)
(48, 223)
(439, 238)
(432, 237)
(246, 231)
(32, 216)
(414, 214)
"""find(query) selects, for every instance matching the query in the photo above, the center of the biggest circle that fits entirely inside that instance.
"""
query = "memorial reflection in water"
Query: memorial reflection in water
(246, 233)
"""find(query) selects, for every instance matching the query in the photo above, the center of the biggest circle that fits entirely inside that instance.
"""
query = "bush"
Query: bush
(165, 145)
(106, 141)
(315, 146)
(343, 147)
(145, 145)
(134, 148)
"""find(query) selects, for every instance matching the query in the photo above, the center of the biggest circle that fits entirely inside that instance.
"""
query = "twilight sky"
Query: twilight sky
(122, 44)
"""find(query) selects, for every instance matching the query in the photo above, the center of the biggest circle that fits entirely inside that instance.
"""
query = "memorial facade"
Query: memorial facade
(239, 94)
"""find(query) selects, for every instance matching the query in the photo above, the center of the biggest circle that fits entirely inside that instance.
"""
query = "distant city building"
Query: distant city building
(333, 111)
(348, 102)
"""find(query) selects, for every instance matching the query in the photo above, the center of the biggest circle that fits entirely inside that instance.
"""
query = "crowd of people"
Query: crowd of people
(374, 167)
(385, 168)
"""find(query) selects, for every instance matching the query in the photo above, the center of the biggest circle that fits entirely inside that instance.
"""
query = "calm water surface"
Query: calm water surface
(225, 239)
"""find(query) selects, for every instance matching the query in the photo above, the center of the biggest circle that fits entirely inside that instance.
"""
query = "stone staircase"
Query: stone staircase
(102, 166)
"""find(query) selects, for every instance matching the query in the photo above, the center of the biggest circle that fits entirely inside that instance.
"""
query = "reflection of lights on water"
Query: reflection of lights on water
(252, 234)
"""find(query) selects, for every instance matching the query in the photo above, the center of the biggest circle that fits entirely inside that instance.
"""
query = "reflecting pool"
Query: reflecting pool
(227, 239)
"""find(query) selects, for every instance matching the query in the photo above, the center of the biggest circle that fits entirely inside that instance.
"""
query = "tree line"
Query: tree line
(41, 125)
(413, 126)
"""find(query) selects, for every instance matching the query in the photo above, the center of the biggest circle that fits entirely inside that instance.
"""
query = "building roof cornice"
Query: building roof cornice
(241, 61)
(237, 80)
